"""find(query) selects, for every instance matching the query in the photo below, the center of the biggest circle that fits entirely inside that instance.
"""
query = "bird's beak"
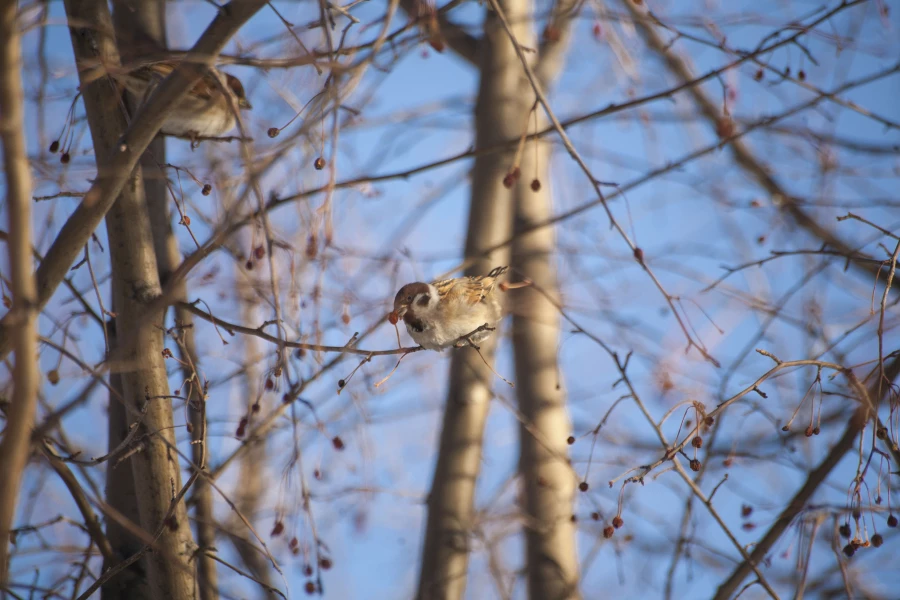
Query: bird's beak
(244, 104)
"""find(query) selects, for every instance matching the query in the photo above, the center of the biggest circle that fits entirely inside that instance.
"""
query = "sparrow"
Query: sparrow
(207, 111)
(442, 313)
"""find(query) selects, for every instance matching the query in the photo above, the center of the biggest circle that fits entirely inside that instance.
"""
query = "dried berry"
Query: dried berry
(325, 563)
(277, 529)
(337, 442)
(54, 146)
(206, 189)
(308, 570)
(695, 465)
(249, 265)
(849, 550)
(758, 75)
(570, 440)
(801, 75)
(341, 383)
(857, 514)
(725, 127)
(877, 540)
(255, 407)
(535, 185)
(583, 486)
(844, 530)
(708, 421)
(65, 158)
(551, 33)
(697, 442)
(53, 377)
(595, 516)
(319, 163)
(617, 522)
(639, 255)
(746, 510)
(809, 431)
(310, 587)
(891, 521)
(608, 531)
(273, 132)
(286, 399)
(508, 181)
(259, 252)
(393, 318)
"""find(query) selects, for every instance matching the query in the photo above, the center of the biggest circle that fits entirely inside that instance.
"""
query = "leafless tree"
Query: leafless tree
(700, 205)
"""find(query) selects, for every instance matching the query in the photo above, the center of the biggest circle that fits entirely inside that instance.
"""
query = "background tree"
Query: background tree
(704, 200)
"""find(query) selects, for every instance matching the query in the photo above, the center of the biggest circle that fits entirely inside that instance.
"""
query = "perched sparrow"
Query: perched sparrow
(207, 109)
(438, 314)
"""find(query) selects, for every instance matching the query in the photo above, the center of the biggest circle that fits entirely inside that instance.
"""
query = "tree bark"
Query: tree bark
(547, 478)
(141, 29)
(16, 442)
(135, 282)
(500, 115)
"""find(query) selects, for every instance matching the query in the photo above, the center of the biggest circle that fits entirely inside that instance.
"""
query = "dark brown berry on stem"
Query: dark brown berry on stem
(65, 158)
(308, 570)
(570, 440)
(509, 181)
(809, 431)
(286, 399)
(54, 146)
(617, 522)
(319, 163)
(310, 587)
(746, 510)
(697, 442)
(801, 75)
(639, 255)
(249, 265)
(758, 75)
(877, 540)
(325, 563)
(337, 442)
(609, 531)
(857, 514)
(695, 465)
(535, 185)
(259, 252)
(294, 543)
(255, 407)
(595, 516)
(53, 377)
(844, 530)
(273, 132)
(551, 33)
(341, 383)
(849, 550)
(277, 529)
(583, 486)
(785, 428)
(891, 521)
(270, 385)
(708, 421)
(206, 190)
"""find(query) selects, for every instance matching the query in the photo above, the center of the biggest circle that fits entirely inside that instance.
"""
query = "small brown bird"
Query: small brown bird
(438, 314)
(207, 111)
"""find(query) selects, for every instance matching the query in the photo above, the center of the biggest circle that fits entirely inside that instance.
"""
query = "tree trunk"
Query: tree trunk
(15, 447)
(135, 282)
(500, 115)
(548, 482)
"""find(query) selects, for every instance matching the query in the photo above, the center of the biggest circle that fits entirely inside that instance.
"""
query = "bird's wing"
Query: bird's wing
(468, 290)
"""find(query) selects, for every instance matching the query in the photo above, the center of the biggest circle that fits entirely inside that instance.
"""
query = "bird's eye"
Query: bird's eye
(409, 298)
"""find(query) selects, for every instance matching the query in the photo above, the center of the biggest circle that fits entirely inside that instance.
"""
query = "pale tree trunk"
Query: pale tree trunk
(251, 473)
(135, 282)
(16, 443)
(134, 21)
(547, 480)
(499, 116)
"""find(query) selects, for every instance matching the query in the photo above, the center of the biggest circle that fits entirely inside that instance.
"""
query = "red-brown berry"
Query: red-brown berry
(609, 531)
(248, 265)
(54, 146)
(570, 440)
(849, 550)
(583, 486)
(325, 563)
(65, 158)
(270, 385)
(801, 75)
(53, 377)
(535, 185)
(746, 510)
(337, 442)
(877, 540)
(308, 570)
(255, 407)
(639, 255)
(695, 465)
(809, 431)
(595, 516)
(277, 529)
(273, 132)
(310, 587)
(206, 190)
(319, 163)
(259, 252)
(758, 75)
(617, 522)
(844, 530)
(891, 521)
(697, 442)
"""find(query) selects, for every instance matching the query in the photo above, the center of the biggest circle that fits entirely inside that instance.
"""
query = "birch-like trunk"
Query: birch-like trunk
(15, 447)
(500, 115)
(135, 282)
